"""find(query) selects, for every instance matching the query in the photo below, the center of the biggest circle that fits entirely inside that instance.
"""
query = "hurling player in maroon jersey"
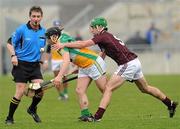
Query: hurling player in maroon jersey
(129, 66)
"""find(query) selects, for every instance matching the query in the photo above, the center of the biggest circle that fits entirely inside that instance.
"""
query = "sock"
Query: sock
(99, 113)
(65, 90)
(85, 112)
(61, 94)
(167, 102)
(35, 100)
(13, 106)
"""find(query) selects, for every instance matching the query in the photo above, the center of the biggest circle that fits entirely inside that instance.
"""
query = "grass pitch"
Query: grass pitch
(129, 108)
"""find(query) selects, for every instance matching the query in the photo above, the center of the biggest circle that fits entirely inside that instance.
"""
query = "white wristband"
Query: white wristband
(46, 61)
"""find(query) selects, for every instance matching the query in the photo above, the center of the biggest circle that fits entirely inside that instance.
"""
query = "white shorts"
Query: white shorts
(56, 64)
(95, 71)
(131, 70)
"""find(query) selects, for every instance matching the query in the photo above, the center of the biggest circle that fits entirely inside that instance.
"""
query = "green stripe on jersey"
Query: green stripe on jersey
(64, 38)
(93, 57)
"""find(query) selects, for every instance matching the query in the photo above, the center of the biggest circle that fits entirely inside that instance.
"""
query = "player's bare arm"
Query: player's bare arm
(77, 44)
(66, 61)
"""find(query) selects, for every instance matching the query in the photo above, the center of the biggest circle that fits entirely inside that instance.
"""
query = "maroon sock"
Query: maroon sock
(167, 102)
(99, 113)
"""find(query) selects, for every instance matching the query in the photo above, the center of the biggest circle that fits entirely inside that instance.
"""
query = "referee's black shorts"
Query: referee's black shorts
(26, 71)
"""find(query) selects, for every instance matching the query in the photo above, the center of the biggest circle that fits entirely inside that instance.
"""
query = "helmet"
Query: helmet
(53, 31)
(100, 21)
(57, 23)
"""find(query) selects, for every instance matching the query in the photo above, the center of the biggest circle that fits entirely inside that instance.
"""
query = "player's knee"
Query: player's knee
(145, 90)
(108, 88)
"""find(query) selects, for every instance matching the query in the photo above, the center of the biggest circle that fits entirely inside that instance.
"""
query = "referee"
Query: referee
(24, 47)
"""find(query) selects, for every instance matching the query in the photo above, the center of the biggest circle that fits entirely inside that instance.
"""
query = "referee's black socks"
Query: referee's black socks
(12, 107)
(35, 100)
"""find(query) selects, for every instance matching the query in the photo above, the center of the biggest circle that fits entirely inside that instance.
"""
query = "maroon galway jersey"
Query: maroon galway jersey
(113, 47)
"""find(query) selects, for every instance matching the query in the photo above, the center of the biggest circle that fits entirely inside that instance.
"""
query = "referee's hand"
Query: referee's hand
(14, 60)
